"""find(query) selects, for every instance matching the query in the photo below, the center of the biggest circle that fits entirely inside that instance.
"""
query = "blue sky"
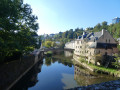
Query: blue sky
(61, 15)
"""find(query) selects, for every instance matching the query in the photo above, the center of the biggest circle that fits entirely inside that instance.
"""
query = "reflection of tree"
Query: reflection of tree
(60, 58)
(30, 79)
(66, 62)
(53, 60)
(48, 61)
(84, 77)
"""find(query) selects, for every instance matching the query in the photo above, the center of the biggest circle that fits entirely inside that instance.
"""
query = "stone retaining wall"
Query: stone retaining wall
(11, 72)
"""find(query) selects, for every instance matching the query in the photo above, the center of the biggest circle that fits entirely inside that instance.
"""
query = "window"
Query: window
(106, 40)
(94, 40)
(106, 47)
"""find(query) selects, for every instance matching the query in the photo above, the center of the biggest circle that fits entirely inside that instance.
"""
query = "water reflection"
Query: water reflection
(85, 77)
(30, 79)
(57, 73)
(60, 59)
(68, 53)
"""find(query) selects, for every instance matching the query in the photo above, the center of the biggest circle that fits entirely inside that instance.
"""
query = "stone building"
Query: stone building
(70, 45)
(91, 45)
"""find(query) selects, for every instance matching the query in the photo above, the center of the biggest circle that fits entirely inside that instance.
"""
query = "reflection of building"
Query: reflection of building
(91, 44)
(84, 77)
(68, 53)
(116, 20)
(29, 79)
(70, 45)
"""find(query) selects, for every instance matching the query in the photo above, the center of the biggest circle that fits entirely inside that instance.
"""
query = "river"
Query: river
(59, 72)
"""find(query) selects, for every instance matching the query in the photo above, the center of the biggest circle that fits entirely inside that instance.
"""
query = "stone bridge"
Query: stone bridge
(57, 49)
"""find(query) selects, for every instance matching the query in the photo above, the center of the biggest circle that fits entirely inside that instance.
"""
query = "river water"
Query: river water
(59, 72)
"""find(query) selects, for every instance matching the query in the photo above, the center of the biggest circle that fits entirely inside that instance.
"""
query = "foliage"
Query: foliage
(17, 27)
(103, 69)
(118, 47)
(117, 61)
(49, 44)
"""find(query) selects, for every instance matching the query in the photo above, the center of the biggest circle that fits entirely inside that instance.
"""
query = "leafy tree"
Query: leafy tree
(17, 26)
(117, 61)
(104, 25)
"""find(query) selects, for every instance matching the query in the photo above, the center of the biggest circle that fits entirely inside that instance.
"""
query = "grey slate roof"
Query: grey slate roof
(95, 36)
(91, 36)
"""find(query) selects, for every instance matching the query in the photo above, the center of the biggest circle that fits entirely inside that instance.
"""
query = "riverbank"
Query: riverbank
(111, 85)
(98, 69)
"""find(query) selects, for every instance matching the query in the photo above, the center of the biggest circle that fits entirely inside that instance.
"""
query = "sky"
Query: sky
(62, 15)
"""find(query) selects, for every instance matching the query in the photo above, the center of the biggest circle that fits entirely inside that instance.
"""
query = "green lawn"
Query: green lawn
(109, 70)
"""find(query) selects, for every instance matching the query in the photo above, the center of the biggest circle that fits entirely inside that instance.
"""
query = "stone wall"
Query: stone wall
(11, 72)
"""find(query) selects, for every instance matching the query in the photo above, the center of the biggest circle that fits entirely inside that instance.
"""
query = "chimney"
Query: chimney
(83, 33)
(103, 31)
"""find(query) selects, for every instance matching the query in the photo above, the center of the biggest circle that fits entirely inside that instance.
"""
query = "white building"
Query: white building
(70, 45)
(97, 43)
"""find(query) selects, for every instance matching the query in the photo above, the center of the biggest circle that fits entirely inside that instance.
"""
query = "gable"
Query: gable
(106, 38)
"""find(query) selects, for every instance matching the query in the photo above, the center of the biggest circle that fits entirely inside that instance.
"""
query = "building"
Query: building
(70, 45)
(115, 20)
(51, 35)
(92, 44)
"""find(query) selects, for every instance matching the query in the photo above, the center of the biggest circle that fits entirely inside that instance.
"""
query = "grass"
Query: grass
(103, 69)
(49, 52)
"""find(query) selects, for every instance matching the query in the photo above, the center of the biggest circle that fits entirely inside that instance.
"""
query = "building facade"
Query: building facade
(116, 20)
(91, 45)
(70, 45)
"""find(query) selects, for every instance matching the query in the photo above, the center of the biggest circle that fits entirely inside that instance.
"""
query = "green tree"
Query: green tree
(17, 25)
(117, 61)
(104, 25)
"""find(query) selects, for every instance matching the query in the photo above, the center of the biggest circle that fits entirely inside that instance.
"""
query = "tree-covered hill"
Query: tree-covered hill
(71, 34)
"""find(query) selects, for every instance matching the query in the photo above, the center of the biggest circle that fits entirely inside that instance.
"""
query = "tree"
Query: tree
(104, 25)
(117, 61)
(17, 26)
